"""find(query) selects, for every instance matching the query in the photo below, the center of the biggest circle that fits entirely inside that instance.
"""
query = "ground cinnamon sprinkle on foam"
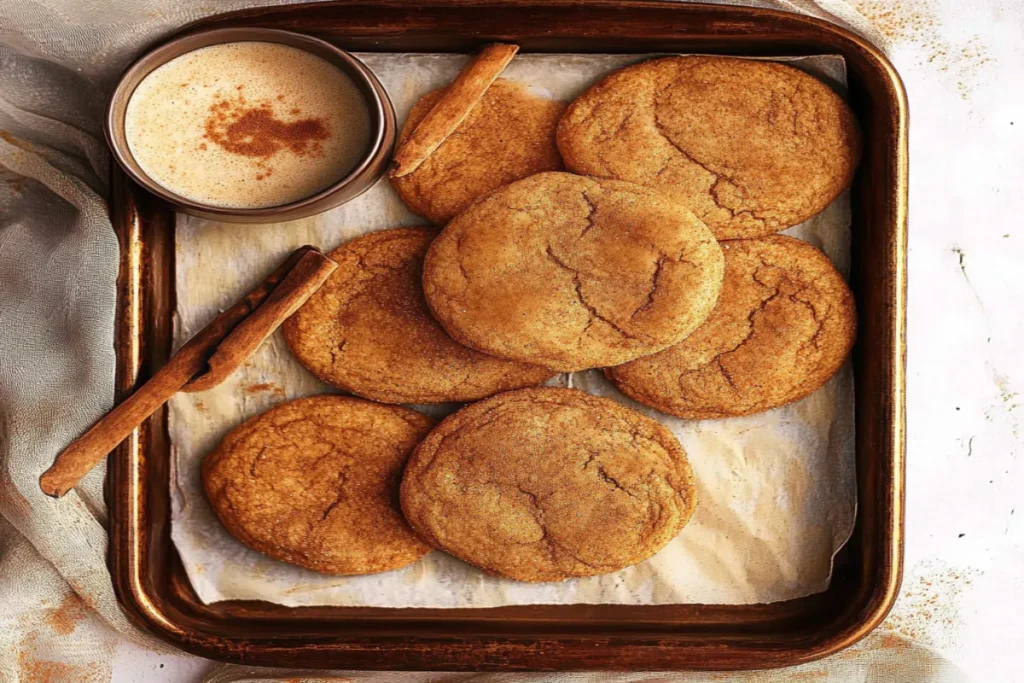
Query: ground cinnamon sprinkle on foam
(43, 671)
(255, 131)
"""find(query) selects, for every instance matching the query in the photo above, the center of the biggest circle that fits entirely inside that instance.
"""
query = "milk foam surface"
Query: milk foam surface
(247, 125)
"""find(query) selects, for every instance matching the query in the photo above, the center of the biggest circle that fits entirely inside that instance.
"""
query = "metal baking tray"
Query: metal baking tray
(148, 576)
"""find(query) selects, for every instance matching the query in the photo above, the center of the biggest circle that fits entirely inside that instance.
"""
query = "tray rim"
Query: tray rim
(125, 480)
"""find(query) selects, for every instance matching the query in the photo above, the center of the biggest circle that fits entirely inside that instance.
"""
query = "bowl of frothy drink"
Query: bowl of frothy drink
(251, 125)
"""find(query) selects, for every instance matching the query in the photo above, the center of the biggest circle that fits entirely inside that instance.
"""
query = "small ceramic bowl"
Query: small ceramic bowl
(382, 125)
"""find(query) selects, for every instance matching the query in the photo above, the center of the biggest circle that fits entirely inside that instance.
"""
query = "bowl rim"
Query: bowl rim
(360, 178)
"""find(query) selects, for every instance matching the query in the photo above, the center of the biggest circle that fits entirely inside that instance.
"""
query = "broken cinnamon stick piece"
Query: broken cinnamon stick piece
(458, 100)
(205, 360)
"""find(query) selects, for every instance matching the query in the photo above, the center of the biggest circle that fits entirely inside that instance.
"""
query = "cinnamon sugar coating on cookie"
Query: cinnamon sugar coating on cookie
(784, 324)
(751, 147)
(548, 484)
(508, 135)
(572, 273)
(314, 482)
(368, 330)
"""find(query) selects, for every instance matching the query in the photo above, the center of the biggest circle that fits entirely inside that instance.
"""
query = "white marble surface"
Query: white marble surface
(963, 65)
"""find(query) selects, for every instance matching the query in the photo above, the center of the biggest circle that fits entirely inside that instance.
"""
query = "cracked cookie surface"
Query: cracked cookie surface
(751, 147)
(314, 482)
(508, 135)
(784, 324)
(548, 484)
(571, 272)
(368, 330)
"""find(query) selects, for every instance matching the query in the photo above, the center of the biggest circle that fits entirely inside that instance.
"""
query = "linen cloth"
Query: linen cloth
(59, 59)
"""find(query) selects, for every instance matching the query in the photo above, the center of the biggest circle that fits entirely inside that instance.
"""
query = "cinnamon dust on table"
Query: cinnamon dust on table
(65, 618)
(44, 671)
(255, 131)
(33, 669)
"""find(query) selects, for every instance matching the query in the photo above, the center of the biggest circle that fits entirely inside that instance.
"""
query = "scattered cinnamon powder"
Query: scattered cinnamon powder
(64, 619)
(264, 387)
(13, 181)
(928, 609)
(899, 22)
(17, 142)
(919, 23)
(33, 669)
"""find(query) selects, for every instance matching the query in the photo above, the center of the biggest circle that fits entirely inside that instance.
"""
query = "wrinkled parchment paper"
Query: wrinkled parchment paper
(776, 491)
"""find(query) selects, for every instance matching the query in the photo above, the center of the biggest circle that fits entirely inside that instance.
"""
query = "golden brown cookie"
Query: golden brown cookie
(548, 484)
(508, 135)
(784, 324)
(314, 482)
(751, 147)
(368, 330)
(572, 273)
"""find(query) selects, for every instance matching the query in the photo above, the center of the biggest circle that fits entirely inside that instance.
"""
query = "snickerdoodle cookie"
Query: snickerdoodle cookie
(572, 273)
(784, 324)
(751, 147)
(314, 482)
(548, 484)
(368, 330)
(508, 135)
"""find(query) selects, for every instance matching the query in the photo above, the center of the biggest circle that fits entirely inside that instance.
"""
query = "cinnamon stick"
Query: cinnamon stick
(452, 108)
(230, 338)
(306, 277)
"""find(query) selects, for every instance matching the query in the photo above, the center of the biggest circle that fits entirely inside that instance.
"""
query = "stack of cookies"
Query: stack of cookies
(632, 231)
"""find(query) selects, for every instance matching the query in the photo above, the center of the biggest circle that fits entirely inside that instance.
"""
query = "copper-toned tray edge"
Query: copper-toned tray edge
(712, 639)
